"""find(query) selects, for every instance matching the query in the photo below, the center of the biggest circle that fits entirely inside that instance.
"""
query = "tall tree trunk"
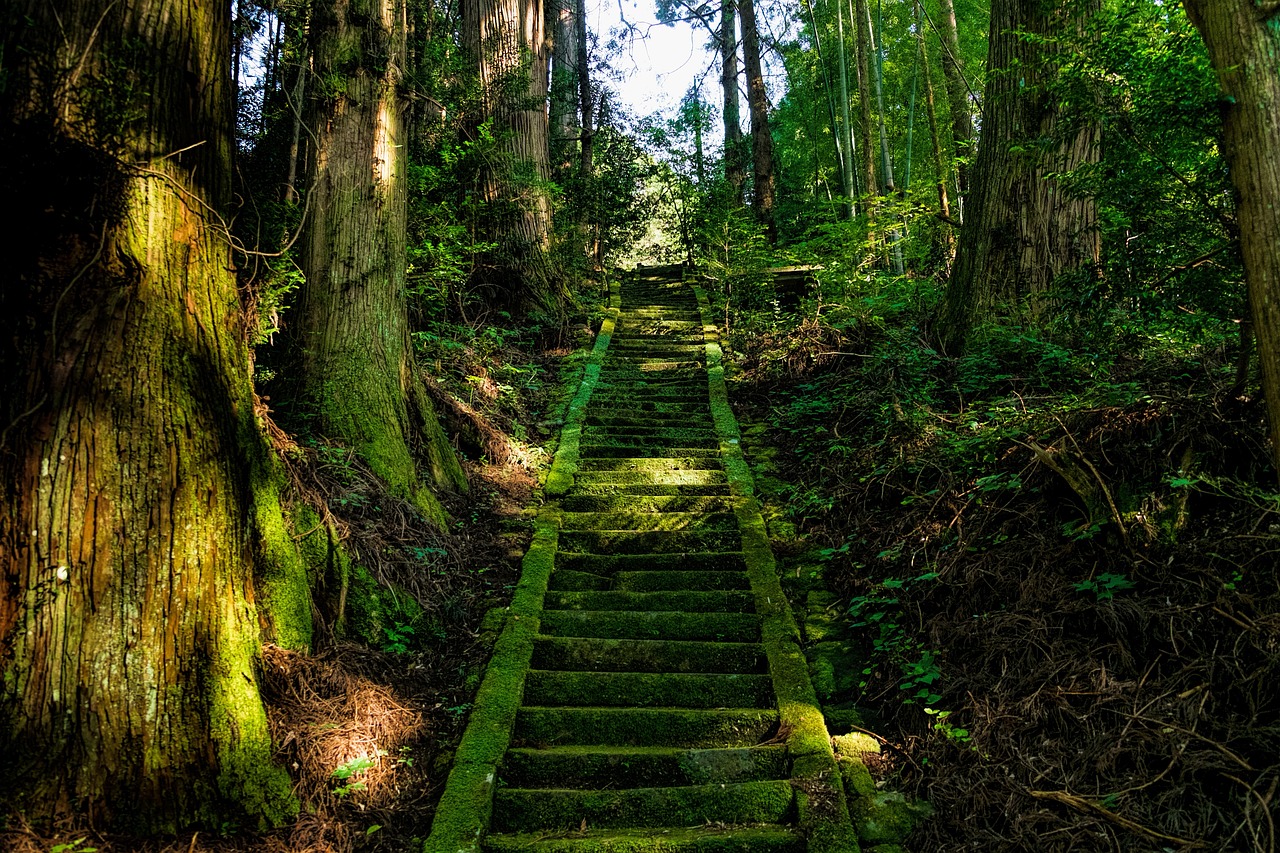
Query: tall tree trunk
(762, 199)
(586, 100)
(870, 185)
(508, 45)
(351, 335)
(845, 133)
(1244, 45)
(565, 58)
(735, 170)
(295, 139)
(886, 163)
(939, 161)
(129, 451)
(958, 95)
(1022, 231)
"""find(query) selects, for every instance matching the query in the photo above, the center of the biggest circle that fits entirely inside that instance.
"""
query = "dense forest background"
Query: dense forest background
(297, 290)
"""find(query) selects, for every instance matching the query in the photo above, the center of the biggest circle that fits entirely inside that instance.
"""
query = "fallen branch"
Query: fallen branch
(1088, 807)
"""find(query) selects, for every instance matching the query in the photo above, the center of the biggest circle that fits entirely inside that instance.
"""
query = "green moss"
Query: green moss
(665, 656)
(374, 608)
(888, 817)
(744, 802)
(645, 726)
(640, 767)
(641, 689)
(700, 840)
(465, 808)
(652, 625)
(284, 602)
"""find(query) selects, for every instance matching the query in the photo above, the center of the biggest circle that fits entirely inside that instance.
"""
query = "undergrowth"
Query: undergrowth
(1053, 563)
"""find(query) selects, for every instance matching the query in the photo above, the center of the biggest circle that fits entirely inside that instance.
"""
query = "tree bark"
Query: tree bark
(1021, 230)
(566, 55)
(130, 458)
(845, 133)
(948, 239)
(735, 172)
(870, 186)
(886, 163)
(762, 197)
(508, 44)
(1244, 47)
(351, 336)
(958, 95)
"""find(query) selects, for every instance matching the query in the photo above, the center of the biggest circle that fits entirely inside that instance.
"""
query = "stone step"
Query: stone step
(651, 478)
(609, 564)
(651, 489)
(640, 767)
(650, 541)
(648, 521)
(701, 839)
(525, 810)
(569, 581)
(721, 727)
(716, 601)
(648, 689)
(594, 654)
(605, 457)
(651, 625)
(646, 504)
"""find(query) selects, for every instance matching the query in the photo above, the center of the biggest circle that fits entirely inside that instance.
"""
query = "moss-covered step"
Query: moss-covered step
(649, 434)
(524, 809)
(721, 728)
(646, 503)
(712, 601)
(641, 766)
(649, 689)
(670, 656)
(653, 581)
(701, 561)
(648, 521)
(768, 839)
(689, 581)
(604, 487)
(650, 541)
(622, 452)
(695, 477)
(652, 625)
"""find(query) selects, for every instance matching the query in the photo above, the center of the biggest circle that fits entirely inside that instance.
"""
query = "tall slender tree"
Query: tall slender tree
(1243, 37)
(762, 195)
(566, 51)
(958, 96)
(1022, 229)
(735, 171)
(350, 332)
(131, 462)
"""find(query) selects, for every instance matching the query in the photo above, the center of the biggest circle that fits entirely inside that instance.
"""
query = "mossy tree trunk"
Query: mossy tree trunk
(355, 363)
(1243, 37)
(132, 467)
(565, 55)
(508, 44)
(1022, 229)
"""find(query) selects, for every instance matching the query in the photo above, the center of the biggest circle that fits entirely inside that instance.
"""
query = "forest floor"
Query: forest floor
(1045, 578)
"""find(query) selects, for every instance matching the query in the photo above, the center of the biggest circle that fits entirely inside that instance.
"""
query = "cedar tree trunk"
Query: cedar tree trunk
(735, 172)
(1021, 230)
(356, 368)
(1243, 38)
(129, 449)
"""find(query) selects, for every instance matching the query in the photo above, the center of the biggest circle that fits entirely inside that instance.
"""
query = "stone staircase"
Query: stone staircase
(663, 705)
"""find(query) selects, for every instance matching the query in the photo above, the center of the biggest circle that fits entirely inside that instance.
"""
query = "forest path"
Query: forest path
(648, 692)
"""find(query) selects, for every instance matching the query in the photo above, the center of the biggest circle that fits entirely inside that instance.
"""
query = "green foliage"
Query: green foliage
(880, 612)
(351, 768)
(1106, 585)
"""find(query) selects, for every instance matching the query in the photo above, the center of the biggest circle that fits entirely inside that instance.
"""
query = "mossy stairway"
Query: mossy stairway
(647, 692)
